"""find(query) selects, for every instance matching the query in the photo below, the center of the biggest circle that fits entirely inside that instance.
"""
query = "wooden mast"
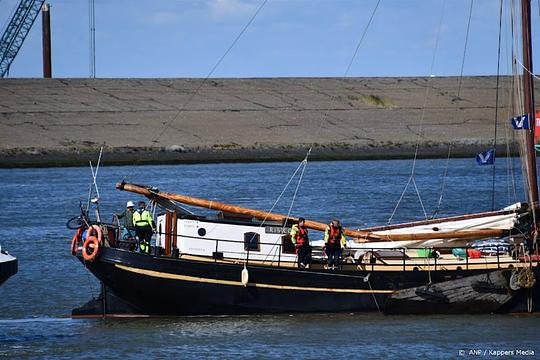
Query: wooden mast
(528, 101)
(359, 235)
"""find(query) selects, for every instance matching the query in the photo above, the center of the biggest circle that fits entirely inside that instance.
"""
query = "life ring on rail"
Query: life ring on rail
(75, 241)
(95, 230)
(90, 248)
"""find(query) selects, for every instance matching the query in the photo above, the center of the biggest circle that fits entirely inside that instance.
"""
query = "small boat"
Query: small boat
(8, 265)
(241, 261)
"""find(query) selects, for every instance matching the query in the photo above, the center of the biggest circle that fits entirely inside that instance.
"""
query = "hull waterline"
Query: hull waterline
(163, 286)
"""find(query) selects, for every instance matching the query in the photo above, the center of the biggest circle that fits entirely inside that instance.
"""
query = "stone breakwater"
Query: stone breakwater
(55, 122)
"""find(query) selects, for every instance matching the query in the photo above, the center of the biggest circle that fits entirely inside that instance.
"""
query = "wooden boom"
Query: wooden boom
(359, 236)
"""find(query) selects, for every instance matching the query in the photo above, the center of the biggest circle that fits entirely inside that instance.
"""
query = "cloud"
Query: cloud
(221, 9)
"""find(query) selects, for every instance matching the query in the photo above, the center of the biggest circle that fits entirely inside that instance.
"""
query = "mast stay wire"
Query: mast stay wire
(421, 121)
(496, 106)
(512, 90)
(208, 75)
(460, 82)
(334, 98)
(518, 94)
(323, 120)
(511, 174)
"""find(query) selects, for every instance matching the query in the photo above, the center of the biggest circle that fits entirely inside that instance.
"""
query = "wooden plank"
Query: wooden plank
(482, 293)
(168, 231)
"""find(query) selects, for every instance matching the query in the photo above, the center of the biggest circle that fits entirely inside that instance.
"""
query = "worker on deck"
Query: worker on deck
(334, 239)
(128, 233)
(299, 237)
(144, 227)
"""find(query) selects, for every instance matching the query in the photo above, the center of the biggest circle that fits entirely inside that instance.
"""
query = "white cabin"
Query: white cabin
(226, 239)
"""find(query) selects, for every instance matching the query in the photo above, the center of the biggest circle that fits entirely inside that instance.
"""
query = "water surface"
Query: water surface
(36, 302)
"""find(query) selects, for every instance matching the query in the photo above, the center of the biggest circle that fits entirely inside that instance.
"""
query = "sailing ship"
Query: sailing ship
(8, 266)
(241, 260)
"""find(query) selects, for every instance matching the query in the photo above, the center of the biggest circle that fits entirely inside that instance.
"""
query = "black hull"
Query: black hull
(165, 286)
(8, 269)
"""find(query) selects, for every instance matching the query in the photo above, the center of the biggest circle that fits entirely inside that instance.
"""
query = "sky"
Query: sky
(288, 38)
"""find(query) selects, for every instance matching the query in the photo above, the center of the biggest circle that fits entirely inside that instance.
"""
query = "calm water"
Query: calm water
(35, 303)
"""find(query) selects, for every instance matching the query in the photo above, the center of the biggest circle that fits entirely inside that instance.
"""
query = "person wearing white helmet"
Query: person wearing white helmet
(129, 229)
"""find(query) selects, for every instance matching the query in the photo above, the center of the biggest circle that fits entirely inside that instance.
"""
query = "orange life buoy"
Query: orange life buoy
(90, 248)
(75, 241)
(98, 233)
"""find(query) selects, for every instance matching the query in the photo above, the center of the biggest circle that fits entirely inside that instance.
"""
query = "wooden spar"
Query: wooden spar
(233, 209)
(359, 235)
(439, 220)
(528, 101)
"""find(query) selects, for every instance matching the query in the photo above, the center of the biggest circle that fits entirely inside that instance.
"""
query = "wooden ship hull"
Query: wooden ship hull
(212, 265)
(159, 285)
(197, 266)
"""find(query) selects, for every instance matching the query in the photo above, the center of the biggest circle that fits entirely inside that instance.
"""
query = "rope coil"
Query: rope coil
(523, 278)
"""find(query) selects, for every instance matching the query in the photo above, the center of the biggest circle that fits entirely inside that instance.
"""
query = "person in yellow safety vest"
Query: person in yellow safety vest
(144, 227)
(334, 238)
(299, 237)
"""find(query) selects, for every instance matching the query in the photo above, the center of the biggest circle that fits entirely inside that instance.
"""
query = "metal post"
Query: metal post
(92, 37)
(104, 300)
(46, 36)
(279, 253)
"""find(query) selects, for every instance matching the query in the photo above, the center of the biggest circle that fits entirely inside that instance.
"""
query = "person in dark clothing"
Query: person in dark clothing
(128, 232)
(334, 239)
(144, 227)
(299, 237)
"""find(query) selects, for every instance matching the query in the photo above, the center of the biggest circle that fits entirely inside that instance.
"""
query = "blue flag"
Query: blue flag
(486, 158)
(521, 122)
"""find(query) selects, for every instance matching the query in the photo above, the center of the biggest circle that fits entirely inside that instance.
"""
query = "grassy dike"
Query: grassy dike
(64, 122)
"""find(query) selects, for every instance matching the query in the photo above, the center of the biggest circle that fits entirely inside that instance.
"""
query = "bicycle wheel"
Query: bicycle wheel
(75, 222)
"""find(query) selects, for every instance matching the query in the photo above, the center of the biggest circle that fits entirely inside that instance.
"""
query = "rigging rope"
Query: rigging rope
(274, 248)
(460, 81)
(345, 74)
(324, 117)
(496, 106)
(210, 73)
(511, 174)
(527, 70)
(443, 183)
(426, 96)
(196, 92)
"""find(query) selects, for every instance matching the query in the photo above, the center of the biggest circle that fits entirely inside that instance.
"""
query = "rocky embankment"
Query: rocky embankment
(54, 122)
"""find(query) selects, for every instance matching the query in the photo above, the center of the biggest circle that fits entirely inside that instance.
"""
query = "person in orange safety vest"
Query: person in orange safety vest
(334, 240)
(299, 237)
